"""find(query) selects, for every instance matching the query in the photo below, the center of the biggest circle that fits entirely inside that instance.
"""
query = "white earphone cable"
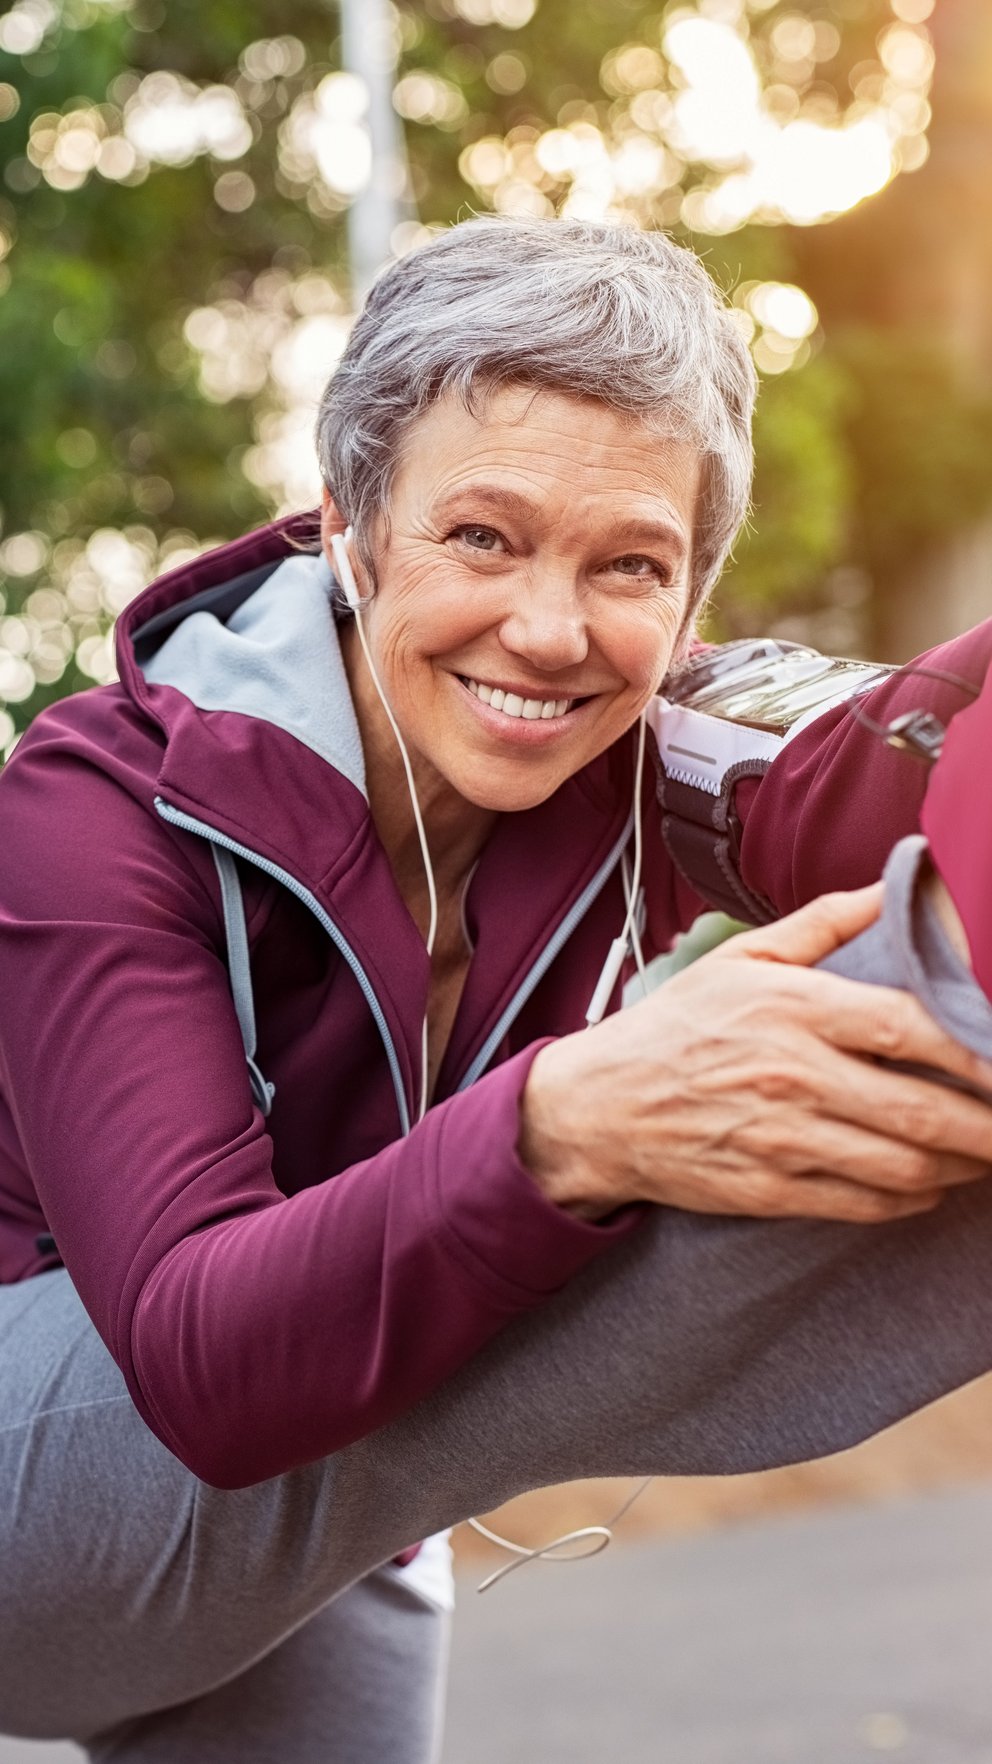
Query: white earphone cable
(633, 892)
(597, 1536)
(349, 586)
(635, 929)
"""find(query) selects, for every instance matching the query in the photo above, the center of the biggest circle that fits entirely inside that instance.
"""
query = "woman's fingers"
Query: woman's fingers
(758, 1193)
(895, 1118)
(869, 1019)
(889, 1025)
(872, 1159)
(829, 1197)
(925, 1116)
(813, 932)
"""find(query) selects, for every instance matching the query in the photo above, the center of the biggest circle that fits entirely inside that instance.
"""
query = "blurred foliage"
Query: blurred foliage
(926, 430)
(804, 491)
(163, 306)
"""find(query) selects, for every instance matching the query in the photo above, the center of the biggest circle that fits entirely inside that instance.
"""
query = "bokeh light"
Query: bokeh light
(325, 136)
(716, 115)
(770, 142)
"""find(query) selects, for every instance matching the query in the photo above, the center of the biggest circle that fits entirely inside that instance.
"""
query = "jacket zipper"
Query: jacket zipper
(496, 1035)
(551, 949)
(190, 825)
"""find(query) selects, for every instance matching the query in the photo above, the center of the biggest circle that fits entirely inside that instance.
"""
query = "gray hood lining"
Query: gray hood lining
(276, 657)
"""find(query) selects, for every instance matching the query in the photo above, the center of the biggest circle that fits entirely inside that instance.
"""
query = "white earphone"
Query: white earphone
(343, 570)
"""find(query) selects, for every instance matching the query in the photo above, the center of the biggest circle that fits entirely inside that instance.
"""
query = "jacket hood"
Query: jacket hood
(276, 657)
(235, 658)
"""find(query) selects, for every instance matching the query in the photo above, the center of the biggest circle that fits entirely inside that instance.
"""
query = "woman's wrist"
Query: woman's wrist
(938, 898)
(550, 1142)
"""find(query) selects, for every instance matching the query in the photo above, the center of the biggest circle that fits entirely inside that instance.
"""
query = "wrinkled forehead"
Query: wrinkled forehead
(541, 448)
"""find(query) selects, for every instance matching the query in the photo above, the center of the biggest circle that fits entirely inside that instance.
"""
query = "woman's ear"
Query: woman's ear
(331, 521)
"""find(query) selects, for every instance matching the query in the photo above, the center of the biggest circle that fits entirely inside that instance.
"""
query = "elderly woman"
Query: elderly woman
(323, 888)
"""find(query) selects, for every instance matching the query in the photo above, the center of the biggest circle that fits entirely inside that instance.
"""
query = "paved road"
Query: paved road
(834, 1638)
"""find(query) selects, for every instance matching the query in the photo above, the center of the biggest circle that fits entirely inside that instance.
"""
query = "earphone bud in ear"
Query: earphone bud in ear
(343, 570)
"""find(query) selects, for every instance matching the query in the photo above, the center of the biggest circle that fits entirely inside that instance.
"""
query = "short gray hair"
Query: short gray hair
(595, 309)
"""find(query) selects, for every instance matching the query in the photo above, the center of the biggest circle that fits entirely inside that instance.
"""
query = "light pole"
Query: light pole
(367, 51)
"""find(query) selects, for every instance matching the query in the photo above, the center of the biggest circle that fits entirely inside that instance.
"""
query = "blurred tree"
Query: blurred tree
(801, 507)
(172, 292)
(902, 286)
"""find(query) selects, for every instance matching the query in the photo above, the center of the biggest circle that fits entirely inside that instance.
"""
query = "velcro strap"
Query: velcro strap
(702, 836)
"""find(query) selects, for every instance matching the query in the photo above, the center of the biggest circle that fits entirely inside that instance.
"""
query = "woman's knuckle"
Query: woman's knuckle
(917, 1169)
(777, 1080)
(888, 1031)
(760, 1194)
(921, 1120)
(776, 1147)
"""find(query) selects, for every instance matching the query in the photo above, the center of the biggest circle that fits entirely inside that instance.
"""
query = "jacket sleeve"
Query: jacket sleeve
(957, 820)
(834, 803)
(256, 1332)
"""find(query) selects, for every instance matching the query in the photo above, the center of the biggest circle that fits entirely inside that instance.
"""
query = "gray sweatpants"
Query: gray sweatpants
(158, 1618)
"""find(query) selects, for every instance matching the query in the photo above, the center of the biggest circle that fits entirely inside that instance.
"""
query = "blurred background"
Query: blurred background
(193, 198)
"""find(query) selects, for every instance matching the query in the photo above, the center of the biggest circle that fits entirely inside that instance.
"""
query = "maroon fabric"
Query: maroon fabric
(958, 823)
(263, 1315)
(832, 806)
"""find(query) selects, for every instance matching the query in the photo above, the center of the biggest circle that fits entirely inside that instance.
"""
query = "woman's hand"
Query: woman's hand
(748, 1085)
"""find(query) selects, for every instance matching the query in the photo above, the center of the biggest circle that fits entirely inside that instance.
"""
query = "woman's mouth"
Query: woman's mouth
(514, 704)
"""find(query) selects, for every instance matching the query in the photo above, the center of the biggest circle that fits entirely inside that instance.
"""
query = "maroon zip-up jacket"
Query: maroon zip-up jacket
(264, 1315)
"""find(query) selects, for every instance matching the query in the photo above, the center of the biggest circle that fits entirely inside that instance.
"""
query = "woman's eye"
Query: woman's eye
(642, 568)
(478, 538)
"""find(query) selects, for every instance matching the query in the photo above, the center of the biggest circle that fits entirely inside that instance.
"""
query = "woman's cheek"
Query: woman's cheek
(641, 649)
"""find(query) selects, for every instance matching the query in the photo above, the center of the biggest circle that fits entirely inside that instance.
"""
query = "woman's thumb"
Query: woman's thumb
(816, 930)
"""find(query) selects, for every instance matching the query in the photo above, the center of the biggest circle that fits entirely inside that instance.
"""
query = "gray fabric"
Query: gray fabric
(239, 970)
(130, 1587)
(699, 1345)
(276, 658)
(908, 948)
(360, 1683)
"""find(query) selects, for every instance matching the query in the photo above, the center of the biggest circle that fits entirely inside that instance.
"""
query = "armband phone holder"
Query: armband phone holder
(725, 716)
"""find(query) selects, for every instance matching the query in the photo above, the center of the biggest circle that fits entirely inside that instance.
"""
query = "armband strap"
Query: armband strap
(701, 760)
(726, 716)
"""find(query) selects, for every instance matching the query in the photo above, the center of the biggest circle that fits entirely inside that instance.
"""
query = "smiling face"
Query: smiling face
(530, 590)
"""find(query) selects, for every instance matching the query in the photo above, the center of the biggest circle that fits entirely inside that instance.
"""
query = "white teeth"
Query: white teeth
(512, 704)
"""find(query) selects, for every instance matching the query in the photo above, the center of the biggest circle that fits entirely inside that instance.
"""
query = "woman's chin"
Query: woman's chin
(505, 795)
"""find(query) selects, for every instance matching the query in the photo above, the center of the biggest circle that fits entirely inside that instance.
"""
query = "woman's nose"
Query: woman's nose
(546, 624)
